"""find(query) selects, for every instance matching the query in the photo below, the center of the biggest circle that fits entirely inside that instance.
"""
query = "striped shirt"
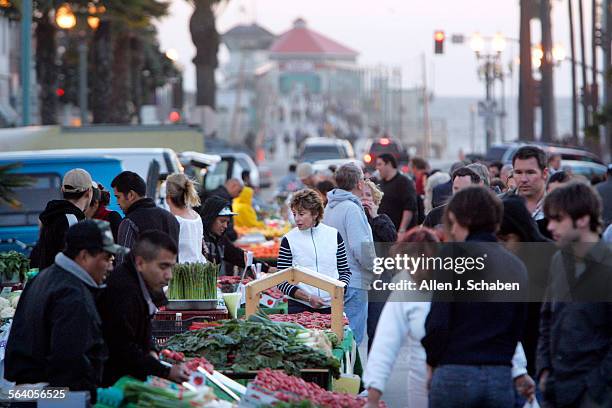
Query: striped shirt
(285, 260)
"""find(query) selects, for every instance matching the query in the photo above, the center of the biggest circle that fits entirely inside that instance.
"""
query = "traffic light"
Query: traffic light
(439, 42)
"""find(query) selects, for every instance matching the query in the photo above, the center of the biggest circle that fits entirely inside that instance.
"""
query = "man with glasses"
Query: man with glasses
(56, 336)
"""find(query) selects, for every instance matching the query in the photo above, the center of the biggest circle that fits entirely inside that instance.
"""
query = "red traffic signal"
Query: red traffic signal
(439, 37)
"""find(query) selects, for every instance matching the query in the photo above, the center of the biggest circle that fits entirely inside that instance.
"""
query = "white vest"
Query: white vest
(315, 249)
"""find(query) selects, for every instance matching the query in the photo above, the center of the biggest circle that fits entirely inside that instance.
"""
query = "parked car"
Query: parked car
(378, 146)
(325, 148)
(504, 152)
(47, 169)
(232, 165)
(588, 169)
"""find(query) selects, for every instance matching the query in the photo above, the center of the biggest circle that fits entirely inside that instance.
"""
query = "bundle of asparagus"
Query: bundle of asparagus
(193, 281)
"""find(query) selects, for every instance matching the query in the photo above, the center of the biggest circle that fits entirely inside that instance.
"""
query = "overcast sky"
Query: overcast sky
(389, 32)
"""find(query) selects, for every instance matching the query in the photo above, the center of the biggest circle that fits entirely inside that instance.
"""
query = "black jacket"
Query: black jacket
(576, 335)
(52, 237)
(144, 215)
(605, 191)
(127, 327)
(219, 249)
(435, 217)
(56, 335)
(459, 330)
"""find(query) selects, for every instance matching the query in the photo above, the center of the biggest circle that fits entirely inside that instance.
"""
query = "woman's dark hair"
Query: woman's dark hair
(559, 177)
(95, 196)
(575, 199)
(476, 208)
(517, 220)
(128, 181)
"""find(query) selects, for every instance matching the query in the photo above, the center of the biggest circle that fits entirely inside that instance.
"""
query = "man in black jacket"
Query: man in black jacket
(56, 335)
(59, 215)
(141, 213)
(126, 309)
(216, 215)
(574, 361)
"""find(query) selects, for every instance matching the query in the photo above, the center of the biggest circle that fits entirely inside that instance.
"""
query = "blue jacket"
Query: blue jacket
(345, 213)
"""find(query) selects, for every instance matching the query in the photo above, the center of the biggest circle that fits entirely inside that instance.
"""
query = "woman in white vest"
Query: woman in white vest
(314, 246)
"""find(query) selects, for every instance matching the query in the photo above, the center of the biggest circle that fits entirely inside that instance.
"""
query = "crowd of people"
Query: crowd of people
(93, 325)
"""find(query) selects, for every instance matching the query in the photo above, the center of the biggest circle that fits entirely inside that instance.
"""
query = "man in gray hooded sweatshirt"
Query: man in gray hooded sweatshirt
(345, 213)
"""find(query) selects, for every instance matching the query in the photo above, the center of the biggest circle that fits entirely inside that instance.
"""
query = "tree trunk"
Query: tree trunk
(121, 106)
(136, 65)
(206, 40)
(46, 70)
(101, 81)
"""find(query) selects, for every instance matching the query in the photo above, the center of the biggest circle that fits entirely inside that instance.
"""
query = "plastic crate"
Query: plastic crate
(162, 330)
(319, 376)
(218, 314)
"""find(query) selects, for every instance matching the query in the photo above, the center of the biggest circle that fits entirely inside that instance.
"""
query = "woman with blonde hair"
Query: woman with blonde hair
(181, 197)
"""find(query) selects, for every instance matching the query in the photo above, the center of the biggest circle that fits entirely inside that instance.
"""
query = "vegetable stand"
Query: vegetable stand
(297, 275)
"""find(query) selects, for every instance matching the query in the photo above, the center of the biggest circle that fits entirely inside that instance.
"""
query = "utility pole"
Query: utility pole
(607, 49)
(26, 60)
(585, 84)
(426, 119)
(548, 96)
(573, 58)
(526, 115)
(594, 81)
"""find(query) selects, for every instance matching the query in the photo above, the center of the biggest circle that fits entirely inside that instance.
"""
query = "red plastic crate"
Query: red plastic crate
(219, 314)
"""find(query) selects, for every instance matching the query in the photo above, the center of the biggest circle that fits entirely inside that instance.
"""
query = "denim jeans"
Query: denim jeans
(463, 386)
(356, 309)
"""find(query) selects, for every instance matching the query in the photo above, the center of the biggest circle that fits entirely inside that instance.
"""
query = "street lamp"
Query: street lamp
(499, 43)
(559, 53)
(67, 19)
(477, 44)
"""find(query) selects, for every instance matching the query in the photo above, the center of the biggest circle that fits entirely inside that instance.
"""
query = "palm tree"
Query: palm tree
(206, 40)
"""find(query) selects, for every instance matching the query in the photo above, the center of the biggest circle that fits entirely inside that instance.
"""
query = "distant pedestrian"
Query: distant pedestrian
(400, 197)
(433, 181)
(141, 213)
(556, 180)
(605, 191)
(59, 215)
(443, 192)
(246, 216)
(575, 348)
(345, 212)
(306, 175)
(182, 197)
(290, 182)
(495, 169)
(324, 187)
(554, 163)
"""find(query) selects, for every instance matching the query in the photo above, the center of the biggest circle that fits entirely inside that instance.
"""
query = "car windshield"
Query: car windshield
(33, 199)
(319, 152)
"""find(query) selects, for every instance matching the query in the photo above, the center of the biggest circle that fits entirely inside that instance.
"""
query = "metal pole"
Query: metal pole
(83, 79)
(526, 115)
(548, 96)
(607, 37)
(489, 111)
(594, 87)
(26, 60)
(585, 84)
(573, 59)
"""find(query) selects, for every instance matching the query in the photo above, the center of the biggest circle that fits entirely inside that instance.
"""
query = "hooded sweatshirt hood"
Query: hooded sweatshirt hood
(517, 220)
(74, 268)
(337, 196)
(58, 209)
(245, 197)
(210, 211)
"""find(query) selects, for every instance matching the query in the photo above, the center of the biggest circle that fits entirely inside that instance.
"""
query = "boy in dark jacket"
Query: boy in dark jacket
(56, 335)
(126, 308)
(59, 215)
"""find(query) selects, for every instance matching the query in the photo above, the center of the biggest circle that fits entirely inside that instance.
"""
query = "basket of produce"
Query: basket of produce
(161, 330)
(193, 287)
(243, 346)
(13, 267)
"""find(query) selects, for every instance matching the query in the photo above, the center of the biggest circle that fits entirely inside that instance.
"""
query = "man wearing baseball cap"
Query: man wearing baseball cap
(59, 215)
(56, 336)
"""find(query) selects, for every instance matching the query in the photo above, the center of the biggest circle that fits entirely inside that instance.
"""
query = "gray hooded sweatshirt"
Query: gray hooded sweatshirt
(345, 213)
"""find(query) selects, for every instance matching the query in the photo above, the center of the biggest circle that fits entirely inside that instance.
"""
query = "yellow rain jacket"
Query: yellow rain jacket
(243, 205)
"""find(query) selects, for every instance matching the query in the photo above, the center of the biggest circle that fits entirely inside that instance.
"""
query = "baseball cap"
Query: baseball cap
(93, 234)
(226, 212)
(304, 170)
(77, 181)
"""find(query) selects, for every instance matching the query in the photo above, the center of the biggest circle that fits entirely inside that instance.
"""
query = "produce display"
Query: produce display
(161, 393)
(13, 266)
(8, 304)
(225, 281)
(257, 343)
(265, 250)
(270, 231)
(307, 319)
(193, 281)
(297, 393)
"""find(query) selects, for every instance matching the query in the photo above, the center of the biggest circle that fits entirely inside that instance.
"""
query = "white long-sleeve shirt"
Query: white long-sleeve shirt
(404, 322)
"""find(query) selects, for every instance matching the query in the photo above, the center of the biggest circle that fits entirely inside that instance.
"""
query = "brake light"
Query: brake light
(405, 169)
(384, 141)
(367, 158)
